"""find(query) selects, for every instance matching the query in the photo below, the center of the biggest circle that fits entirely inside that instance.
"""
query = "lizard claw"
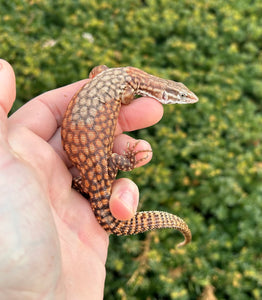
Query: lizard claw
(131, 152)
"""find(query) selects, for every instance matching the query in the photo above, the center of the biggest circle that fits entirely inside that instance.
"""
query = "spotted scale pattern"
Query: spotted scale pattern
(87, 135)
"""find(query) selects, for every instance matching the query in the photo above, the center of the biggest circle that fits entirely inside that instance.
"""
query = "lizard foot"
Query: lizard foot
(131, 154)
(127, 161)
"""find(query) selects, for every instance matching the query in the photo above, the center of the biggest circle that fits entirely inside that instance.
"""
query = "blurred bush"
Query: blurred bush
(207, 165)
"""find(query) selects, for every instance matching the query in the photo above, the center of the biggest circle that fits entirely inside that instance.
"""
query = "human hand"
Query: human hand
(51, 244)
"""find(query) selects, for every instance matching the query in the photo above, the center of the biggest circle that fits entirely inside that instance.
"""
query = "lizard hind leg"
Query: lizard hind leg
(77, 183)
(96, 70)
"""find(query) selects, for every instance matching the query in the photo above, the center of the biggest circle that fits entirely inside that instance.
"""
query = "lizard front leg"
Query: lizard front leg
(127, 161)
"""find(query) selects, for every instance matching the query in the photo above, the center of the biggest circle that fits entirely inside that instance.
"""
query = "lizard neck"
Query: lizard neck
(164, 90)
(145, 84)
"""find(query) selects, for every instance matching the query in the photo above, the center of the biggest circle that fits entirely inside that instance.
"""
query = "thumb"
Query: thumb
(7, 93)
(124, 199)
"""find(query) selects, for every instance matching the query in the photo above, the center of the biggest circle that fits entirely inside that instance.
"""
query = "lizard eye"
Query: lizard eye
(183, 95)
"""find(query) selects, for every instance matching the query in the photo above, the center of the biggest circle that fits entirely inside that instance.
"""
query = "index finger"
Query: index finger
(140, 113)
(44, 114)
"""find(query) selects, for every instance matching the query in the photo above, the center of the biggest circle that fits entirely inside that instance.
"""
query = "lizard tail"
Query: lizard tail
(144, 221)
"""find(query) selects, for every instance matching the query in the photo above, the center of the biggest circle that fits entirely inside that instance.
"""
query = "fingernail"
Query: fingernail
(128, 200)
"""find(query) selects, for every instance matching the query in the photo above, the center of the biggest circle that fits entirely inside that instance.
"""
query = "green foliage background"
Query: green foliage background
(207, 165)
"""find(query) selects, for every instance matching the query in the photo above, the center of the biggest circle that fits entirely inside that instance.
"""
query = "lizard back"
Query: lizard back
(87, 135)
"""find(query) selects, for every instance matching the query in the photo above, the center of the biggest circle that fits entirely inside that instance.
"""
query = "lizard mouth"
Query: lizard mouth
(187, 100)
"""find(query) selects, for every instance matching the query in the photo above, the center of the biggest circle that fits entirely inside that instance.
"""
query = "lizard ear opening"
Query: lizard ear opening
(165, 96)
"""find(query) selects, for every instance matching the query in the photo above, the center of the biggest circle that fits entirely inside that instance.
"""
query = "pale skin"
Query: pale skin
(52, 247)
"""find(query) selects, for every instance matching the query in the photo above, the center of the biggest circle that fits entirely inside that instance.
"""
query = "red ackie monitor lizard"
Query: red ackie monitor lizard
(88, 132)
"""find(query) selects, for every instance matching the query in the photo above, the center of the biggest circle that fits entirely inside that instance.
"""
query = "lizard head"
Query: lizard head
(177, 92)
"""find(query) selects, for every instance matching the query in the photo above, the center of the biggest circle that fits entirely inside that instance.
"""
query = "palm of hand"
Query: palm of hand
(43, 220)
(51, 244)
